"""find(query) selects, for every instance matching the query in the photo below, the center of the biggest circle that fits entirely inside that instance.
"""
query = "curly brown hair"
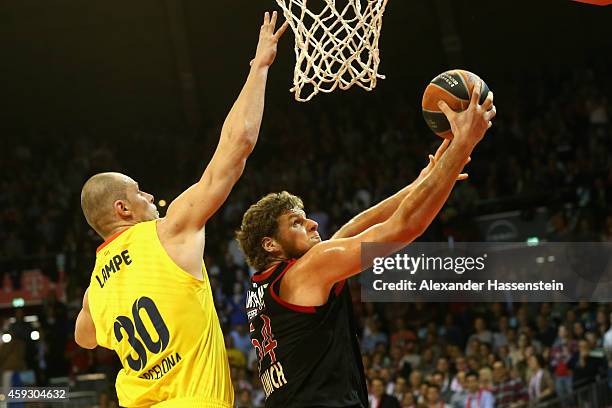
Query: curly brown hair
(260, 221)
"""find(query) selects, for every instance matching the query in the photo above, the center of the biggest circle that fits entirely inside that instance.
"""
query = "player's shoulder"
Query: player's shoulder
(169, 229)
(326, 253)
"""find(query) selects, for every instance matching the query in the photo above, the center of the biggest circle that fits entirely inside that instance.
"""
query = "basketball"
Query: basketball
(453, 87)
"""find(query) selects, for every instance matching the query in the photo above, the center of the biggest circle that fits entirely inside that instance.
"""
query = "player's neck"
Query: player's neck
(117, 228)
(273, 262)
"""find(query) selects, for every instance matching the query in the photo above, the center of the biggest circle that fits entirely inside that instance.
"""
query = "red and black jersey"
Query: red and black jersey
(308, 356)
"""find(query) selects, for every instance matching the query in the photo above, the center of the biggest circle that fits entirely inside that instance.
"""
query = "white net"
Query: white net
(336, 45)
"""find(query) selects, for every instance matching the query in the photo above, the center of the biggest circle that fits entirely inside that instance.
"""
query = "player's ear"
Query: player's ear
(122, 208)
(270, 245)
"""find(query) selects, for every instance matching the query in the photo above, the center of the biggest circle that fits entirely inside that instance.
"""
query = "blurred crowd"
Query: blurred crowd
(551, 148)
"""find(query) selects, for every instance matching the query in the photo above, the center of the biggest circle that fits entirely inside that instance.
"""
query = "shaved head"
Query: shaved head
(98, 197)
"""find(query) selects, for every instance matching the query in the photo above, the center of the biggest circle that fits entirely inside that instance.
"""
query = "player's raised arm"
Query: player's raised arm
(335, 260)
(198, 203)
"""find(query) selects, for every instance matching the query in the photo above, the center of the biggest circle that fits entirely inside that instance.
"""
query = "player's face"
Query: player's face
(297, 234)
(142, 203)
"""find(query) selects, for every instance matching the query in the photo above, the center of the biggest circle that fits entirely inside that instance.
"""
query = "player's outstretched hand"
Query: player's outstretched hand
(433, 159)
(471, 124)
(268, 40)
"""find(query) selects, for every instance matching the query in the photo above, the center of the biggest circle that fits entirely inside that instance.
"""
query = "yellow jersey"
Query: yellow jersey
(162, 323)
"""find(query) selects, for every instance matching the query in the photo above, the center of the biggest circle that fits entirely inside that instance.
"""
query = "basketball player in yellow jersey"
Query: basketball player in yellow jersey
(149, 297)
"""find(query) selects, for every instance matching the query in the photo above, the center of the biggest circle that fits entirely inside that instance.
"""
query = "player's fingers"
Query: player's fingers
(490, 114)
(476, 93)
(448, 112)
(463, 176)
(488, 103)
(266, 19)
(441, 149)
(469, 159)
(273, 21)
(281, 30)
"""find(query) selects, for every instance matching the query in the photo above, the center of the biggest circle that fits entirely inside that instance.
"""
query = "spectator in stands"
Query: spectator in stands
(578, 330)
(443, 378)
(241, 338)
(411, 355)
(397, 362)
(433, 399)
(240, 379)
(481, 333)
(541, 386)
(451, 332)
(473, 363)
(236, 306)
(600, 326)
(508, 392)
(458, 384)
(546, 333)
(586, 367)
(426, 364)
(560, 354)
(416, 380)
(235, 357)
(518, 350)
(485, 376)
(386, 376)
(400, 388)
(500, 338)
(243, 399)
(378, 398)
(409, 401)
(473, 396)
(473, 347)
(401, 335)
(373, 334)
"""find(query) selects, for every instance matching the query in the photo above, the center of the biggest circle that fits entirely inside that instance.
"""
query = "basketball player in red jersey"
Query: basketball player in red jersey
(299, 307)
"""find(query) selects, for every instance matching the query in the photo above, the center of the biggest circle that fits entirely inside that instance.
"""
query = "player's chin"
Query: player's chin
(313, 242)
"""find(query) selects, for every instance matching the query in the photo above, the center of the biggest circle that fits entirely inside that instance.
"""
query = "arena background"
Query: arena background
(143, 88)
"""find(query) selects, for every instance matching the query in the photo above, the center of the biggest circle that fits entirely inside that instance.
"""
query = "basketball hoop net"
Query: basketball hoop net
(335, 47)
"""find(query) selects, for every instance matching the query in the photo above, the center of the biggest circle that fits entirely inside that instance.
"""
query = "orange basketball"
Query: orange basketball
(453, 87)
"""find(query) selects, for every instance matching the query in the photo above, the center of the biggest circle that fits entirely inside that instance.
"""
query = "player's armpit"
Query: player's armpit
(85, 329)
